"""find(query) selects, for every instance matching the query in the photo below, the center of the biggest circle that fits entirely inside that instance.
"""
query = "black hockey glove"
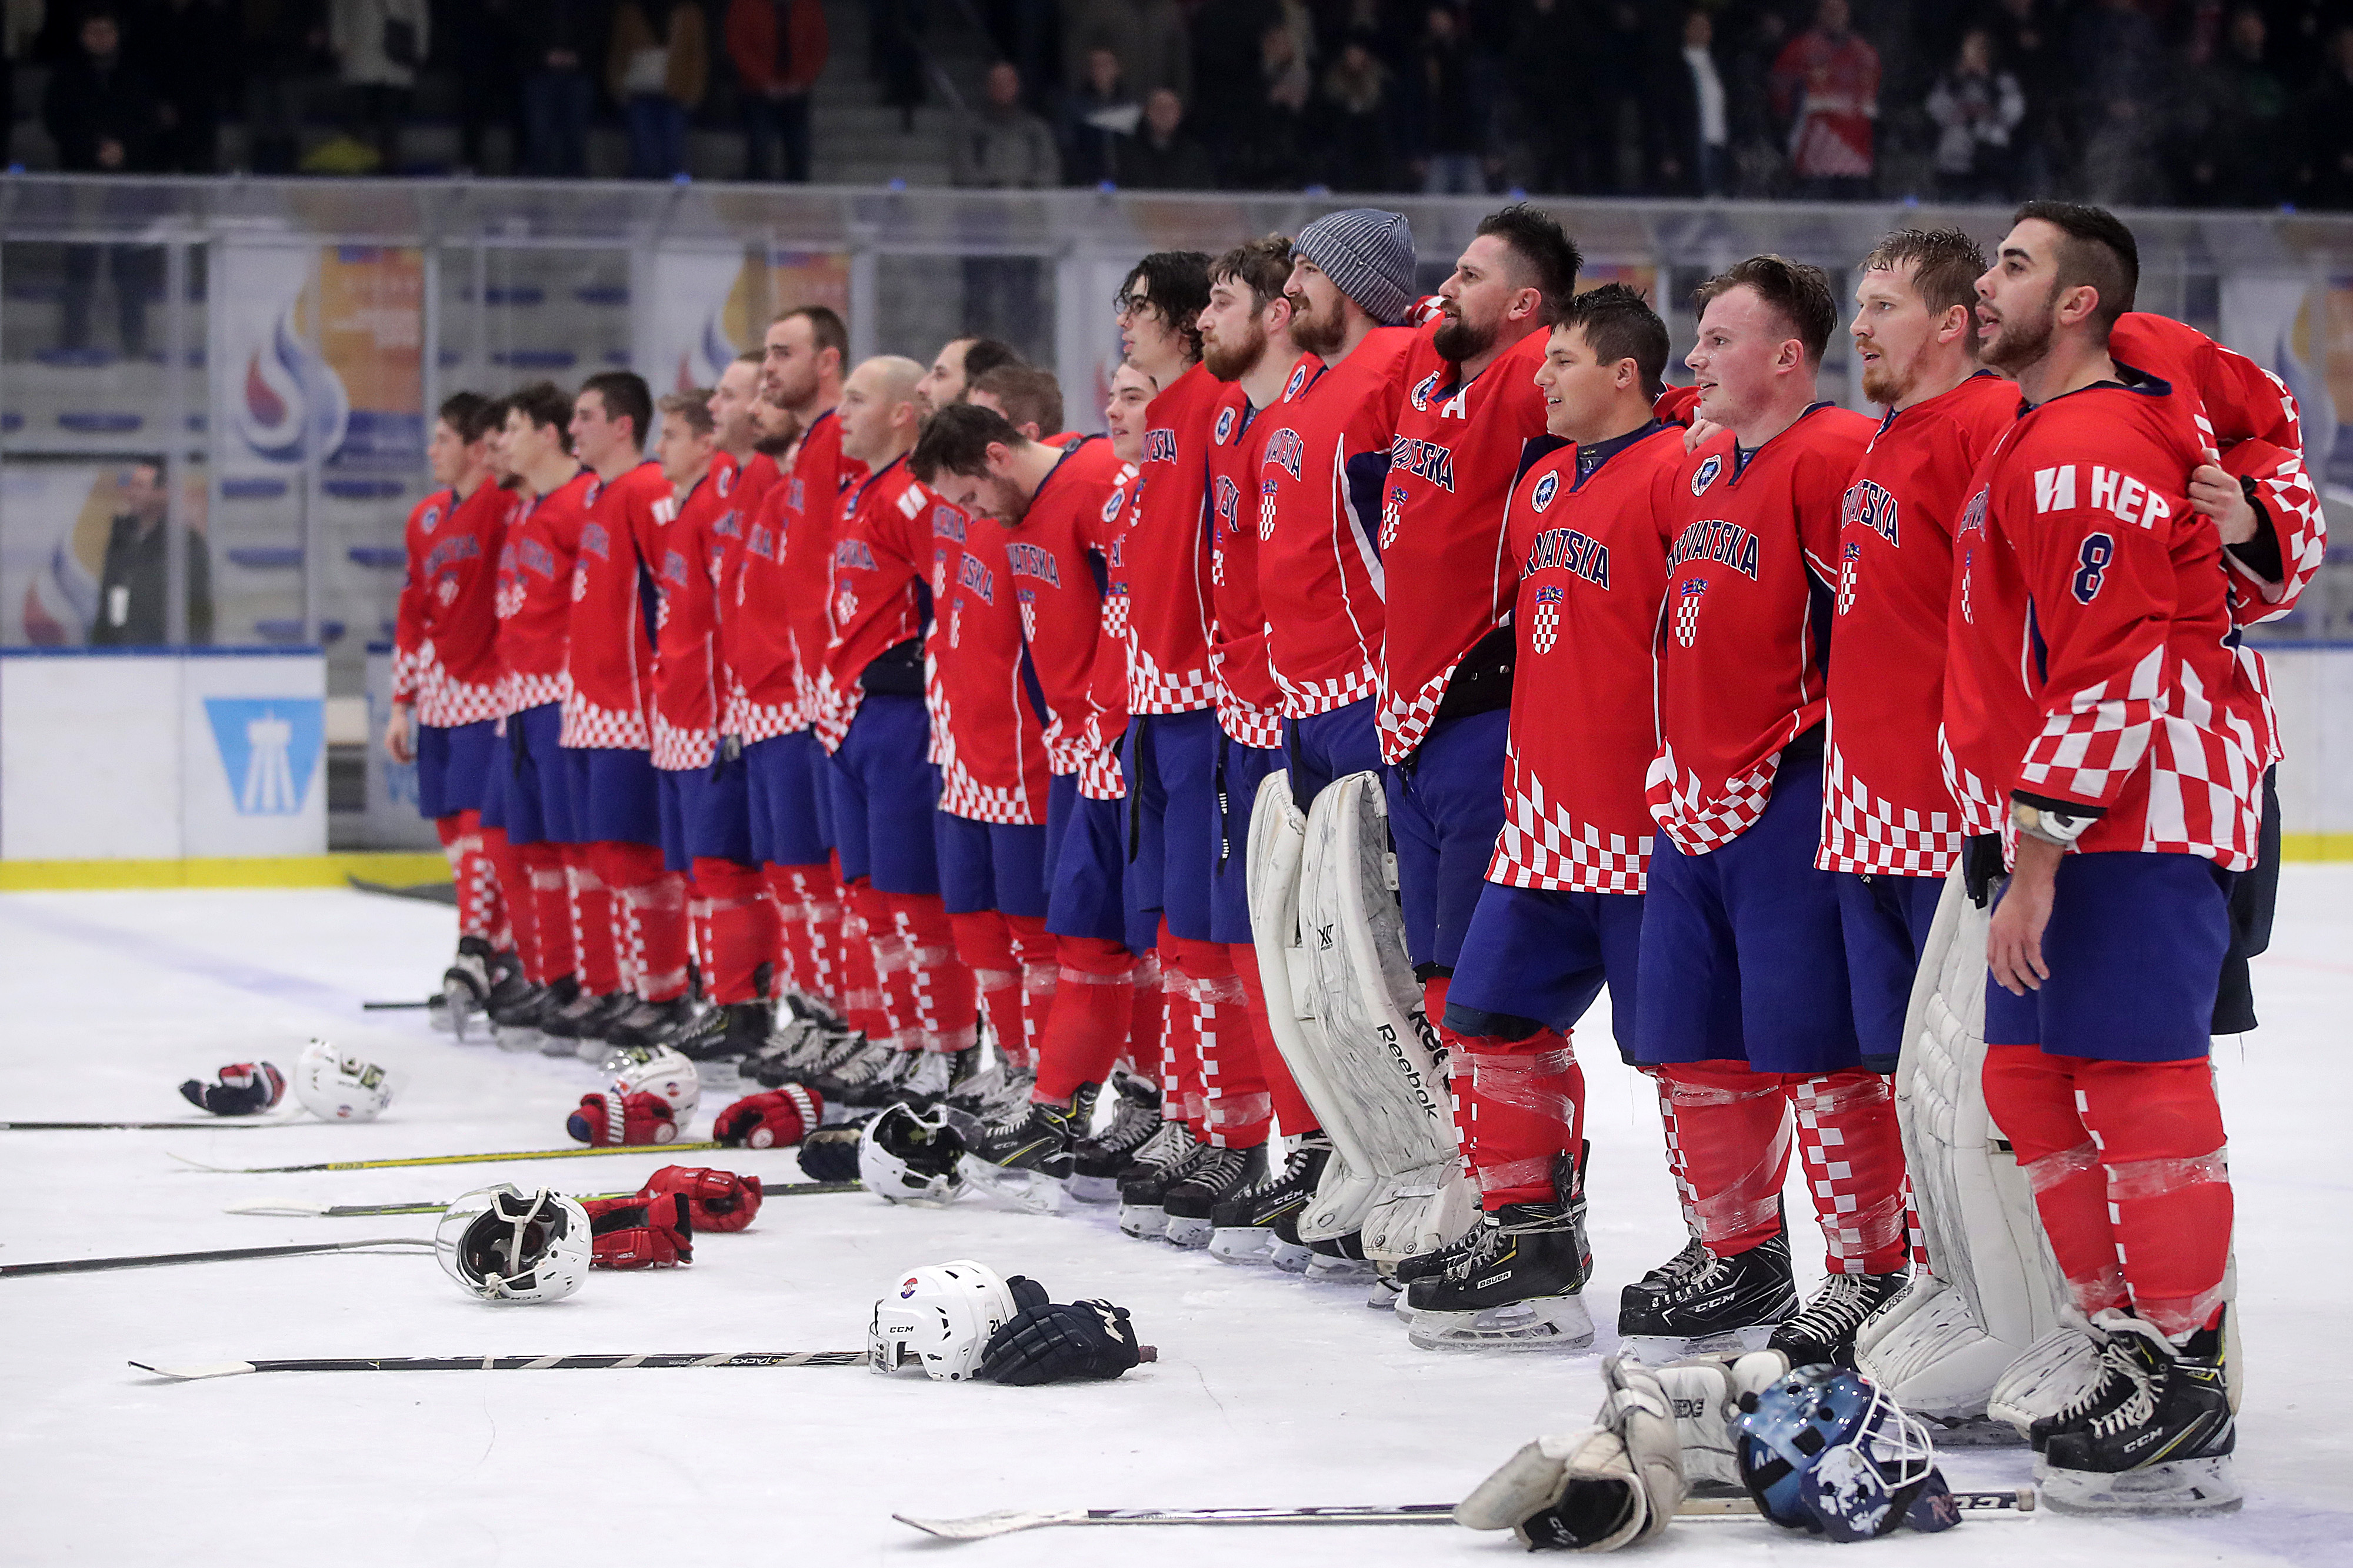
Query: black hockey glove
(244, 1089)
(1061, 1343)
(831, 1154)
(1981, 866)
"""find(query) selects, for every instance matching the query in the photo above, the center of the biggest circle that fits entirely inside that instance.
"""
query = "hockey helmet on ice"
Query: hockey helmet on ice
(940, 1316)
(665, 1074)
(506, 1245)
(335, 1086)
(1823, 1449)
(910, 1157)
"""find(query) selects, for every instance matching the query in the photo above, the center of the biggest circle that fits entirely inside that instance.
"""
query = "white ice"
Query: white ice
(1269, 1391)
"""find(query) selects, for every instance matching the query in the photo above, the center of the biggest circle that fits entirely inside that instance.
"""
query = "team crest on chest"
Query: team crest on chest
(1706, 473)
(1546, 488)
(1850, 561)
(431, 519)
(1298, 380)
(1687, 600)
(1225, 425)
(1544, 622)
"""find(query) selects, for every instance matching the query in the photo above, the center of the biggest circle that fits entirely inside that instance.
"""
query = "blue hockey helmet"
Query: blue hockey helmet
(1823, 1449)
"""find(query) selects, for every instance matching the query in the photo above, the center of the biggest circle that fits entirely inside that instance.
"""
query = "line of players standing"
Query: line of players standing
(899, 706)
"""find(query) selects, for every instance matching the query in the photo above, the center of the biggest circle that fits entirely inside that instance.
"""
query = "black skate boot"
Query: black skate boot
(1518, 1288)
(1098, 1162)
(868, 1079)
(1167, 1159)
(2111, 1387)
(1732, 1304)
(1216, 1176)
(1823, 1334)
(516, 1025)
(931, 1076)
(1023, 1155)
(584, 1020)
(508, 987)
(1243, 1226)
(465, 987)
(730, 1033)
(2165, 1447)
(798, 1048)
(651, 1024)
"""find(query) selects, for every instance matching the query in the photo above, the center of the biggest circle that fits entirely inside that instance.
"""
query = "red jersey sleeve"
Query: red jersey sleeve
(1058, 581)
(408, 619)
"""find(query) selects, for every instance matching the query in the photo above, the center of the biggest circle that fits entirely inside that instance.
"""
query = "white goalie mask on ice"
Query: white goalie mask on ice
(666, 1075)
(337, 1086)
(503, 1244)
(939, 1318)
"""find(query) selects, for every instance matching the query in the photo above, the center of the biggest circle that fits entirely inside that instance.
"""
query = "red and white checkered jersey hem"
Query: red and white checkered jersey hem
(588, 728)
(1865, 832)
(1542, 846)
(1246, 725)
(1306, 698)
(518, 691)
(1404, 720)
(1699, 818)
(677, 750)
(1152, 690)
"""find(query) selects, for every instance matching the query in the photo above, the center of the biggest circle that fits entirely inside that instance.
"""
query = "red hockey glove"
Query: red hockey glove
(648, 1231)
(719, 1200)
(246, 1089)
(776, 1120)
(634, 1119)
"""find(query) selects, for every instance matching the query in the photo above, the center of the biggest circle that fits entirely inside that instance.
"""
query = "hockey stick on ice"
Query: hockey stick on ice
(219, 1255)
(357, 1211)
(512, 1363)
(980, 1527)
(215, 1124)
(400, 1006)
(452, 1159)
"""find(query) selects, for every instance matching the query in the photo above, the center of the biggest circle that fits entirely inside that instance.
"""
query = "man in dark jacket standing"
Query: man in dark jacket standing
(104, 120)
(134, 585)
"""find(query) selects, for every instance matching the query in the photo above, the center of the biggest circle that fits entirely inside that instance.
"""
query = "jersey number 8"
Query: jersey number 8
(2093, 561)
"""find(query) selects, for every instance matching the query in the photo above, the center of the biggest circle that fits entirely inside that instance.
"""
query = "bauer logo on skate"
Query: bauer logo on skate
(270, 748)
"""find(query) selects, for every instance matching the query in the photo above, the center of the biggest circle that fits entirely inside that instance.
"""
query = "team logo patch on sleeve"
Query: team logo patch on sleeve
(1546, 488)
(1705, 474)
(1225, 425)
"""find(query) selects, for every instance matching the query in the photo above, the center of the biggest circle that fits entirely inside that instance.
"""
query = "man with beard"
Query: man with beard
(948, 379)
(2095, 684)
(1471, 405)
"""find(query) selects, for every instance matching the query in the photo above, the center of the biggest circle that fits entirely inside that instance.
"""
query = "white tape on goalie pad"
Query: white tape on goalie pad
(1379, 1054)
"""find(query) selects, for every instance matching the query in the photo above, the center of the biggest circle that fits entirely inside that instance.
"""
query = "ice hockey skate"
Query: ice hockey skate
(1097, 1162)
(731, 1033)
(1216, 1176)
(1731, 1304)
(1246, 1227)
(2161, 1445)
(1517, 1286)
(656, 1023)
(1022, 1155)
(515, 1025)
(1823, 1330)
(1165, 1159)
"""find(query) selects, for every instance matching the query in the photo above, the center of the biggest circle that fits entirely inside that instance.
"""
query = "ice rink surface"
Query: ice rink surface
(1269, 1391)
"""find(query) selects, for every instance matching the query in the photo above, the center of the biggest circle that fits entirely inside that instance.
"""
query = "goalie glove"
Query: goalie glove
(1614, 1484)
(1050, 1343)
(1705, 1398)
(243, 1089)
(717, 1200)
(607, 1117)
(776, 1120)
(831, 1154)
(650, 1230)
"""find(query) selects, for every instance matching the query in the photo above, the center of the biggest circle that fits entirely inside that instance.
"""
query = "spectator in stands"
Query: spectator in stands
(2327, 112)
(2027, 43)
(187, 49)
(2238, 140)
(1164, 156)
(1025, 33)
(2119, 68)
(1099, 121)
(1003, 146)
(779, 48)
(1827, 83)
(104, 119)
(1446, 142)
(378, 44)
(1149, 36)
(658, 66)
(1357, 118)
(134, 583)
(1695, 125)
(555, 39)
(1977, 109)
(1547, 71)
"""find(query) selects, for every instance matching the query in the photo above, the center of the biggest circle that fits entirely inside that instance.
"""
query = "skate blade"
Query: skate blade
(1327, 1270)
(1385, 1293)
(1657, 1350)
(1032, 1192)
(1095, 1189)
(1546, 1324)
(1289, 1257)
(1191, 1235)
(2184, 1486)
(1143, 1224)
(1974, 1432)
(1248, 1245)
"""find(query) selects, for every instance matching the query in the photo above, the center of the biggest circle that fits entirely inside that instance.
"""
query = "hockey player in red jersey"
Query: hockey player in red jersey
(445, 686)
(870, 719)
(1744, 1009)
(1560, 913)
(2097, 634)
(1890, 828)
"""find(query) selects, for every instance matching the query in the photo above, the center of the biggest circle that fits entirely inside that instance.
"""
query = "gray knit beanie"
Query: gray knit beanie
(1368, 255)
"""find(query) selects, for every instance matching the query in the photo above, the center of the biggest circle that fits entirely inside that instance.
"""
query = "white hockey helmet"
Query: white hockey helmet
(939, 1317)
(664, 1073)
(503, 1244)
(337, 1086)
(909, 1156)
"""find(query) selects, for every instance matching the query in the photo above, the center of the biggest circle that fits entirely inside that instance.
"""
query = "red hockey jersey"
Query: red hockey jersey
(2091, 662)
(1099, 772)
(1452, 464)
(1320, 481)
(691, 682)
(1168, 551)
(755, 479)
(1747, 619)
(1249, 704)
(1886, 807)
(881, 598)
(535, 594)
(1587, 529)
(445, 646)
(786, 586)
(610, 659)
(987, 722)
(1055, 558)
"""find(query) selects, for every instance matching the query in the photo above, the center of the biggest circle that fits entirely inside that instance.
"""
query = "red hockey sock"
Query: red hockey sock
(742, 927)
(1292, 1112)
(1675, 1169)
(551, 950)
(471, 871)
(822, 930)
(1093, 1008)
(1180, 1040)
(1853, 1159)
(1732, 1129)
(1519, 1106)
(592, 923)
(863, 1003)
(1147, 1031)
(2161, 1141)
(2032, 1098)
(983, 945)
(651, 905)
(788, 896)
(947, 1016)
(1235, 1108)
(1033, 952)
(514, 895)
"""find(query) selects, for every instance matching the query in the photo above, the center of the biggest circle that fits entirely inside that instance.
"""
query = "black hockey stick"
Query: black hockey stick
(980, 1527)
(511, 1362)
(219, 1255)
(358, 1211)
